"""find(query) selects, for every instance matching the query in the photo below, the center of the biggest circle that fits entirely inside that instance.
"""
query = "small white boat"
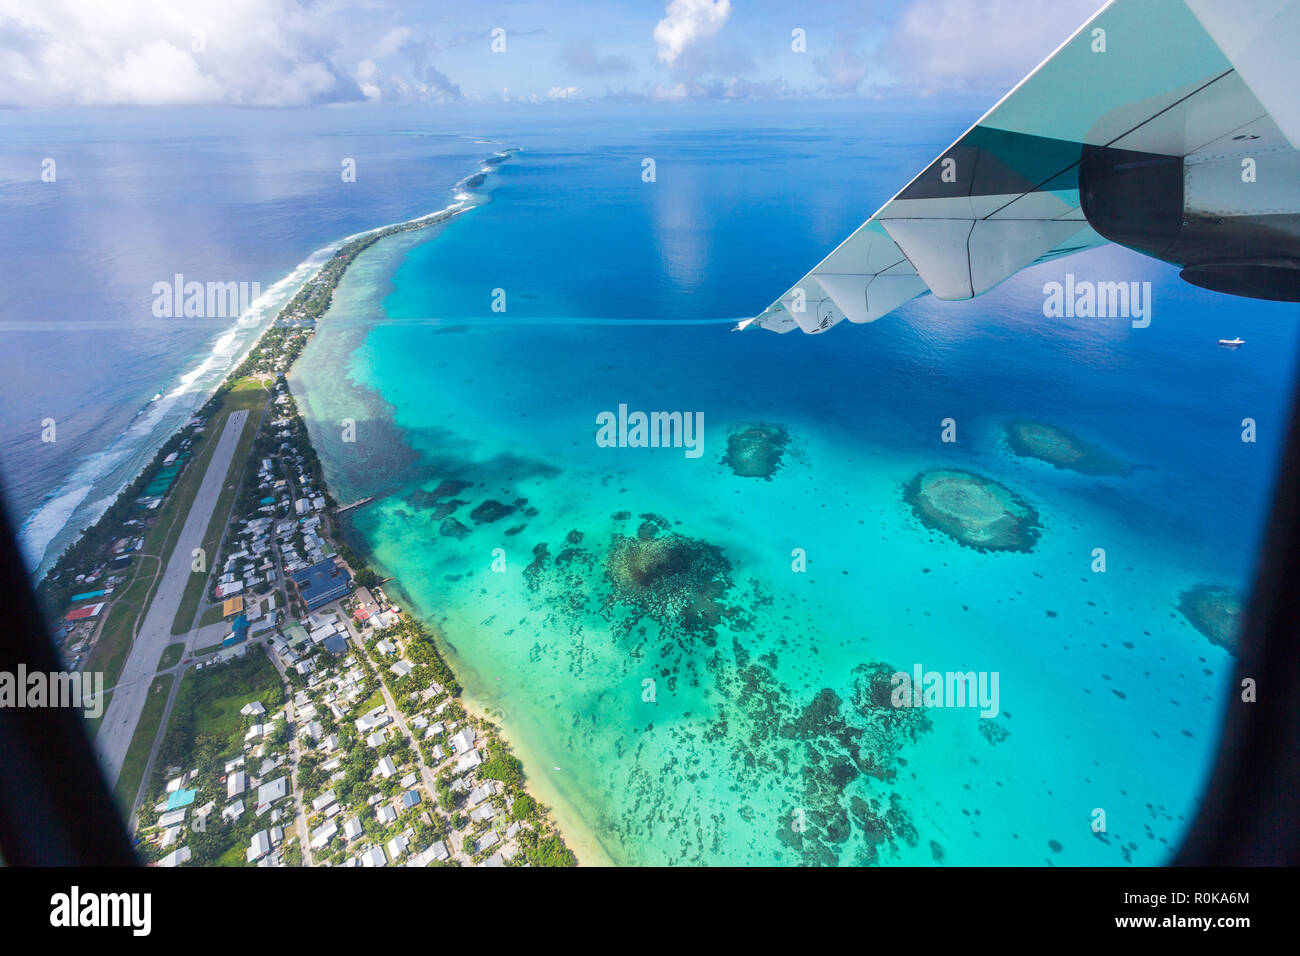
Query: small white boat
(1232, 343)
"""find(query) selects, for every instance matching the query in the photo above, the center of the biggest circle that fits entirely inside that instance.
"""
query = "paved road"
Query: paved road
(132, 686)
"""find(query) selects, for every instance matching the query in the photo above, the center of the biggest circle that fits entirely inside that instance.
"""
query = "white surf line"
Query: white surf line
(259, 318)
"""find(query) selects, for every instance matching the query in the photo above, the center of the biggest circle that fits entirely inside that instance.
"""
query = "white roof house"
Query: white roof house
(397, 846)
(258, 847)
(387, 767)
(463, 742)
(353, 829)
(176, 857)
(236, 784)
(372, 722)
(323, 801)
(270, 792)
(386, 814)
(172, 819)
(469, 761)
(374, 857)
(323, 835)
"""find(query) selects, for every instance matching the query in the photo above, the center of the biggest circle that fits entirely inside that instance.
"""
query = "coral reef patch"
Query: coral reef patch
(756, 451)
(668, 576)
(975, 511)
(491, 510)
(1215, 611)
(1056, 446)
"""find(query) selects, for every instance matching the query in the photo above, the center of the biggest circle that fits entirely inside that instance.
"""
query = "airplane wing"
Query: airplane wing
(1137, 130)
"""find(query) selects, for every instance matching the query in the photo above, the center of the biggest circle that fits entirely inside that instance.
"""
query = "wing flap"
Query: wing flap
(1142, 74)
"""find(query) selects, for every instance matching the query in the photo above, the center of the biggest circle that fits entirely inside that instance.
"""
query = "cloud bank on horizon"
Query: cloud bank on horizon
(283, 53)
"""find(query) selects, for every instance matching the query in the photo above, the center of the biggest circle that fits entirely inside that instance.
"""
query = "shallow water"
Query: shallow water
(761, 743)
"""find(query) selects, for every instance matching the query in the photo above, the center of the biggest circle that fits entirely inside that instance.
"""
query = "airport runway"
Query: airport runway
(156, 633)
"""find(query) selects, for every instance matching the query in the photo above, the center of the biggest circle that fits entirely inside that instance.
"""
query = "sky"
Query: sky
(293, 53)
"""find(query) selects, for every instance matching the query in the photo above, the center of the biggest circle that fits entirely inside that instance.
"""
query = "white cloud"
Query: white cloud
(561, 92)
(370, 79)
(941, 45)
(686, 22)
(844, 69)
(242, 52)
(670, 94)
(426, 84)
(392, 41)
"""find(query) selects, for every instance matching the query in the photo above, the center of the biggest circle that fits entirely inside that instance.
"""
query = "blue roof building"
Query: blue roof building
(322, 583)
(238, 632)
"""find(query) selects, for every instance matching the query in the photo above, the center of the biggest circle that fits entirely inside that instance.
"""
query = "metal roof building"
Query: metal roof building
(321, 583)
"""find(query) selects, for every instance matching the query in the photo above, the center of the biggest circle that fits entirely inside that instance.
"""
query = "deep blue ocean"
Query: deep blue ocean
(139, 196)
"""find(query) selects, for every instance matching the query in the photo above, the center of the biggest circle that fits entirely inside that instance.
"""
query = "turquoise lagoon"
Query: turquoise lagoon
(761, 739)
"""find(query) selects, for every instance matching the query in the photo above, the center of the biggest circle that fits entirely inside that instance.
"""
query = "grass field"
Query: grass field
(234, 856)
(137, 754)
(171, 655)
(218, 694)
(247, 395)
(209, 701)
(109, 653)
(206, 728)
(210, 616)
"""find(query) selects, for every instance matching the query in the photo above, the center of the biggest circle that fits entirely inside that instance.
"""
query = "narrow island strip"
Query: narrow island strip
(298, 716)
